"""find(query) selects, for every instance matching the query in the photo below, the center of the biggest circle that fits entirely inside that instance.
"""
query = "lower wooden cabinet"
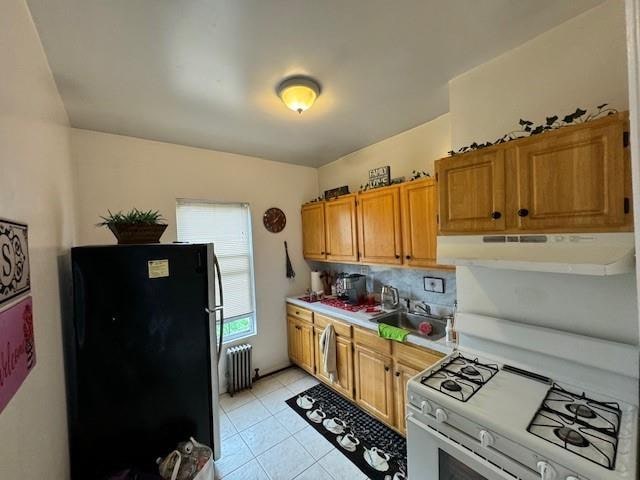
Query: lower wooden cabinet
(374, 383)
(401, 375)
(371, 371)
(301, 343)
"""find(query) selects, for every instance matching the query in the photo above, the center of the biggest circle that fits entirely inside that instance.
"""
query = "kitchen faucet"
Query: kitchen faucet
(425, 307)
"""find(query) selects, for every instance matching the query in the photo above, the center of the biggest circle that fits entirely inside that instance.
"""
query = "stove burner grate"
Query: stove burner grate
(581, 410)
(570, 436)
(469, 370)
(451, 385)
(583, 426)
(461, 377)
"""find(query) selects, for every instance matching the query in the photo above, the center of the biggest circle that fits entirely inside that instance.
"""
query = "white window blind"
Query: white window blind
(228, 227)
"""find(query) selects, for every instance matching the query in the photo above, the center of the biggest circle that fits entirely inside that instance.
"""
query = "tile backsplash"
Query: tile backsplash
(408, 281)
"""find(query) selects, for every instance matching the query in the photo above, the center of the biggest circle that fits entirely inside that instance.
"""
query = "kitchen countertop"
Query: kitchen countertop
(365, 320)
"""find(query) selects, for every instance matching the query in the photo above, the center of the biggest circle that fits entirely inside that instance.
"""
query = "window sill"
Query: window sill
(230, 342)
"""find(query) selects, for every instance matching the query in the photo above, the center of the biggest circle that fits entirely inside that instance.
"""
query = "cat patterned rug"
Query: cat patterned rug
(379, 452)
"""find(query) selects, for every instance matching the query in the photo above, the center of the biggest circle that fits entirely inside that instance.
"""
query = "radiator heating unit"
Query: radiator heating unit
(238, 368)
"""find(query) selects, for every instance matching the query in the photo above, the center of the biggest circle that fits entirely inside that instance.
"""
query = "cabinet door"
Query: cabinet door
(293, 337)
(419, 202)
(374, 383)
(379, 235)
(306, 353)
(402, 374)
(472, 192)
(570, 180)
(344, 365)
(341, 235)
(313, 233)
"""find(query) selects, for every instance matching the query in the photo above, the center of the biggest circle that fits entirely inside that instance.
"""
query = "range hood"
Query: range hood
(576, 253)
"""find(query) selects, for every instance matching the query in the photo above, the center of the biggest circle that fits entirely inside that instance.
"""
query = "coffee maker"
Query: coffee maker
(355, 288)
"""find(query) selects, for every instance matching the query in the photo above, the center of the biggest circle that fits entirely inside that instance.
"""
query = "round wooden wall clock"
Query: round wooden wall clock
(274, 220)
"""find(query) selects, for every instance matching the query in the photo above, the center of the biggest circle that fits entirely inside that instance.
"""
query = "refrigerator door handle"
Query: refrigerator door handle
(220, 307)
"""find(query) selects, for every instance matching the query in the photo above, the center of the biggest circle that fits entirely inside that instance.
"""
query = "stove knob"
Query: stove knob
(547, 472)
(441, 415)
(486, 439)
(425, 407)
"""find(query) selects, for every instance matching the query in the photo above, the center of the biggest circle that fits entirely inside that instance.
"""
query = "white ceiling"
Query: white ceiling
(204, 72)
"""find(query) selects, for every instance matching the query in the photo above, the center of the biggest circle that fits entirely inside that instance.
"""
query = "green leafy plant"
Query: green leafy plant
(135, 216)
(528, 128)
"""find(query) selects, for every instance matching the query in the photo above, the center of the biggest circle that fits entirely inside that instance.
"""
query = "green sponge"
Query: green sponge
(392, 333)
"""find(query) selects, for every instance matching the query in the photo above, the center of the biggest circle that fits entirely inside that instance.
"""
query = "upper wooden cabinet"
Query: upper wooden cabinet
(313, 231)
(419, 202)
(340, 225)
(569, 180)
(574, 179)
(472, 192)
(379, 234)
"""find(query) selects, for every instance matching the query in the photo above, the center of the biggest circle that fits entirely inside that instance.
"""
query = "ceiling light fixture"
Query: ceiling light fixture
(298, 93)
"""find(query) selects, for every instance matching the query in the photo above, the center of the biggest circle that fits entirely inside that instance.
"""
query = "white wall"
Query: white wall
(117, 173)
(36, 188)
(415, 149)
(579, 63)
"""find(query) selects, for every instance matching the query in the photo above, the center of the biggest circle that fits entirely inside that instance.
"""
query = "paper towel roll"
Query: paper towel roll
(316, 282)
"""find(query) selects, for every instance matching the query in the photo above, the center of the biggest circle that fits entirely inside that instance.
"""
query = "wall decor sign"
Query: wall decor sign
(15, 275)
(336, 192)
(17, 348)
(379, 177)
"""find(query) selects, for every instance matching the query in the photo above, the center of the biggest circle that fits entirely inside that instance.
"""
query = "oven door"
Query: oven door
(434, 456)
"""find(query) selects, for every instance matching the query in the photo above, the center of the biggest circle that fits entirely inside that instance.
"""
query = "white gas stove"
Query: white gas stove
(520, 411)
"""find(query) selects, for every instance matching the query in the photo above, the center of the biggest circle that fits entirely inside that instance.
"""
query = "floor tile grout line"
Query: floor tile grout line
(245, 463)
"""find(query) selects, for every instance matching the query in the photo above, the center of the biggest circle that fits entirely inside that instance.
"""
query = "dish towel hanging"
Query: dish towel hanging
(328, 348)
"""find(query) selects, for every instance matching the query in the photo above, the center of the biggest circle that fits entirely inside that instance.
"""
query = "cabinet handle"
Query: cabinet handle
(328, 253)
(321, 253)
(408, 257)
(397, 374)
(397, 256)
(496, 215)
(523, 212)
(386, 369)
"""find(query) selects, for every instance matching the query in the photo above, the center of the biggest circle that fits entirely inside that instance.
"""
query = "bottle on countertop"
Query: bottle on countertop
(451, 336)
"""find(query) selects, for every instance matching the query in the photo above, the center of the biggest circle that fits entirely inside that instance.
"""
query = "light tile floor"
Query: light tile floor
(264, 439)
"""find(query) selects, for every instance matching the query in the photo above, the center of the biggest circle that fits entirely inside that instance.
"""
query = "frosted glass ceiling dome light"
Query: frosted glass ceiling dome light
(298, 93)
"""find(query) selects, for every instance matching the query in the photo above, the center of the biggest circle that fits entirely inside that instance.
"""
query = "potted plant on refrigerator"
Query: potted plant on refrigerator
(135, 226)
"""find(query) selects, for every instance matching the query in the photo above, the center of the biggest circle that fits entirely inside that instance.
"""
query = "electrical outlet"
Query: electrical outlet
(434, 284)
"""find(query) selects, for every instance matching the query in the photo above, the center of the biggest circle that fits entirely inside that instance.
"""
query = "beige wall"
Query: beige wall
(580, 63)
(117, 173)
(415, 149)
(36, 188)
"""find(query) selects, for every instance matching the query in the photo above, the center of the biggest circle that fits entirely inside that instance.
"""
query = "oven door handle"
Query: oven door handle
(497, 472)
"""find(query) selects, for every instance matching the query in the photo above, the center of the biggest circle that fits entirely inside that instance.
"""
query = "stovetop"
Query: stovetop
(538, 416)
(580, 425)
(460, 377)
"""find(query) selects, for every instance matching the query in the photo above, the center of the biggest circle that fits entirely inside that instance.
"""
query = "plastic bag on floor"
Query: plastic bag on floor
(189, 461)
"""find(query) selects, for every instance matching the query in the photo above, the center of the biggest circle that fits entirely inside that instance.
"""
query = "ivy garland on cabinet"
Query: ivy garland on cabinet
(527, 127)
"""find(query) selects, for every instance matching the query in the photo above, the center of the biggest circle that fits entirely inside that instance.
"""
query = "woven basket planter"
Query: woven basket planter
(131, 233)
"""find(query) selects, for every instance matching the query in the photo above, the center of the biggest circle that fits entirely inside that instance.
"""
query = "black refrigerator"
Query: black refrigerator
(141, 355)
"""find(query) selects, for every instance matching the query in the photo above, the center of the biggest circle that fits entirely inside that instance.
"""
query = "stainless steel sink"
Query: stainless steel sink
(411, 321)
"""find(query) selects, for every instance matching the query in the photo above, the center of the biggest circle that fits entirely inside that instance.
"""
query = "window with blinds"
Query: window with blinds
(228, 227)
